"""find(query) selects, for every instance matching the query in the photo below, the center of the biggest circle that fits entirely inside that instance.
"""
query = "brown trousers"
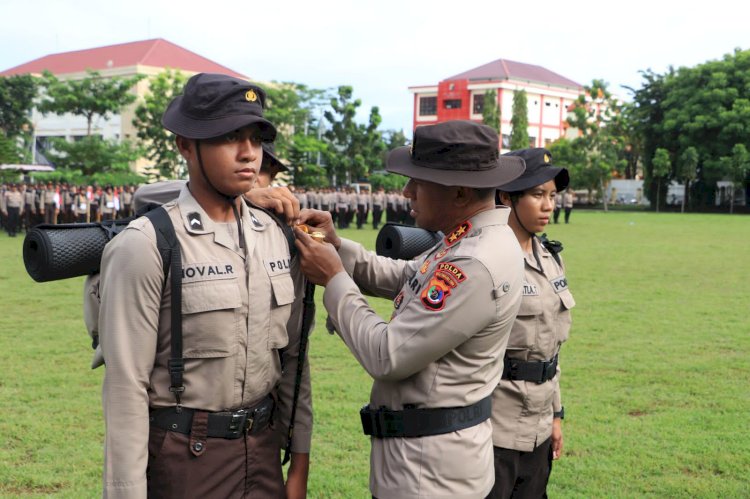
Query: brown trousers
(182, 466)
(522, 474)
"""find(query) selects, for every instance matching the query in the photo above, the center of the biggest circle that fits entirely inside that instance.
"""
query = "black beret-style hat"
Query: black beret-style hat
(455, 153)
(539, 170)
(269, 157)
(212, 105)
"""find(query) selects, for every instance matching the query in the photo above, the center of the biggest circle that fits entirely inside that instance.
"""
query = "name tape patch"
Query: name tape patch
(212, 271)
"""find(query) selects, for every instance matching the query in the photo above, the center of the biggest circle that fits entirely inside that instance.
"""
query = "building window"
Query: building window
(506, 141)
(547, 142)
(452, 104)
(427, 106)
(478, 104)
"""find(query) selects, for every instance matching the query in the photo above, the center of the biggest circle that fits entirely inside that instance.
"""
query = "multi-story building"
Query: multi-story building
(148, 57)
(549, 96)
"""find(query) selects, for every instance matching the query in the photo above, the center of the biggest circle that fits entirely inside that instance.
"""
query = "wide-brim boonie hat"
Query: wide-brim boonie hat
(455, 153)
(269, 154)
(212, 105)
(539, 170)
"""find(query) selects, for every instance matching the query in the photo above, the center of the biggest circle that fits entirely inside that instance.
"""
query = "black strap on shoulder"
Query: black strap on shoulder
(169, 249)
(281, 222)
(308, 314)
(554, 247)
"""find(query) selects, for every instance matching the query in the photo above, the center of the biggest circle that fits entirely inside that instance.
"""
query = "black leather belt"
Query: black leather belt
(229, 425)
(410, 423)
(536, 371)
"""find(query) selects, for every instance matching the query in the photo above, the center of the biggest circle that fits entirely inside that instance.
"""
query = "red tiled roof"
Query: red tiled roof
(503, 69)
(157, 52)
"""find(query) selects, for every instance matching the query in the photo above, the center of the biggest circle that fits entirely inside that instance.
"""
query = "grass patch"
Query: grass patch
(655, 375)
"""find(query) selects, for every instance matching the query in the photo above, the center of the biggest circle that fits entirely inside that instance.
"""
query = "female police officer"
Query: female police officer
(527, 408)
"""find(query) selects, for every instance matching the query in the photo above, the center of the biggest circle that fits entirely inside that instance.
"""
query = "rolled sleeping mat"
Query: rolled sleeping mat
(53, 252)
(404, 242)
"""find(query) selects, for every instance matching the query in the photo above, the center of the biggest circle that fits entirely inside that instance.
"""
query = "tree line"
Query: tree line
(688, 124)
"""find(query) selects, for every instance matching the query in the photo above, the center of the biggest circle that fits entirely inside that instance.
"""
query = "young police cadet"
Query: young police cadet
(438, 360)
(526, 406)
(210, 433)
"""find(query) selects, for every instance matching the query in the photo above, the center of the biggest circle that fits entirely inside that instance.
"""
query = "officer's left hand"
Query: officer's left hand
(279, 199)
(557, 438)
(318, 261)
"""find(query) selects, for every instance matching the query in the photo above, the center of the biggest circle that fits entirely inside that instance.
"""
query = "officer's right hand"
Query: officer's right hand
(321, 221)
(319, 261)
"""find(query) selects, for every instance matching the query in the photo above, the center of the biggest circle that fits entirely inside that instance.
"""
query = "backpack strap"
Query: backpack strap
(171, 256)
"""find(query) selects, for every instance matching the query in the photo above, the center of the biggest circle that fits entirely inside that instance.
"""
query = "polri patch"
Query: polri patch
(194, 221)
(277, 266)
(458, 233)
(559, 284)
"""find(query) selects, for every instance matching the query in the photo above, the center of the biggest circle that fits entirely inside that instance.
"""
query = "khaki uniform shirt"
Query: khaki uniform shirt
(81, 205)
(378, 199)
(237, 314)
(108, 203)
(522, 410)
(453, 310)
(363, 198)
(568, 199)
(13, 199)
(28, 198)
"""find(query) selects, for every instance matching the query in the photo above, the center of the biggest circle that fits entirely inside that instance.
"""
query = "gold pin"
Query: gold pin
(250, 96)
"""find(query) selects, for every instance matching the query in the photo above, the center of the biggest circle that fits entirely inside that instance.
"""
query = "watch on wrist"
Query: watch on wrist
(559, 414)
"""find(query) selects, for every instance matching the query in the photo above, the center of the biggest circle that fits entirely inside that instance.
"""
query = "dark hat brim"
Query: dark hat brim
(542, 176)
(274, 160)
(508, 168)
(190, 128)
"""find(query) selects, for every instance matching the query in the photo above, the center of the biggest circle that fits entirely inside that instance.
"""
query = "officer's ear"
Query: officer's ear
(185, 146)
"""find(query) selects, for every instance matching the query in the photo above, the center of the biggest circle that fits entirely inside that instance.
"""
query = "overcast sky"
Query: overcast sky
(383, 47)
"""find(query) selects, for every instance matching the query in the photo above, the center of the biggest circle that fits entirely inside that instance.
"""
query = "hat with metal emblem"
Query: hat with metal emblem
(212, 105)
(455, 153)
(539, 170)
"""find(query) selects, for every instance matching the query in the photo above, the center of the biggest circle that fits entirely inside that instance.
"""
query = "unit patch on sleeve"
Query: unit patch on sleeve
(446, 277)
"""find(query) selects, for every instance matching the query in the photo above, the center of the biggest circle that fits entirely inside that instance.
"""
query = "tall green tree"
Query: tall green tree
(662, 167)
(354, 149)
(17, 95)
(297, 110)
(707, 107)
(158, 143)
(687, 171)
(91, 155)
(597, 116)
(519, 135)
(89, 97)
(738, 165)
(491, 111)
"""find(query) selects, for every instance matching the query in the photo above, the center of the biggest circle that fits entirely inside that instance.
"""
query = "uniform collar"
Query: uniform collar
(197, 222)
(497, 216)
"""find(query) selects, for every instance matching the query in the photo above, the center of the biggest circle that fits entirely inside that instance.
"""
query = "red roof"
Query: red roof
(503, 69)
(157, 52)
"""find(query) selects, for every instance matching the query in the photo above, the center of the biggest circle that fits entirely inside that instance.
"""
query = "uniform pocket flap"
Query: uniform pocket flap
(567, 299)
(210, 295)
(283, 289)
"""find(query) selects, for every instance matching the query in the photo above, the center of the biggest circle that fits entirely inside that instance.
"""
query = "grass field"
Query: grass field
(656, 375)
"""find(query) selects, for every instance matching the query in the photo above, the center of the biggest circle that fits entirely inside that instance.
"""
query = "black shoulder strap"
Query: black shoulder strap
(280, 221)
(169, 249)
(554, 247)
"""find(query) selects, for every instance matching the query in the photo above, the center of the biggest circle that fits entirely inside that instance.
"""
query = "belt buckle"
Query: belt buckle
(238, 422)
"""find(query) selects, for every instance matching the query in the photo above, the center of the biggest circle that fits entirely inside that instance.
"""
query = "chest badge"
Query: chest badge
(458, 233)
(194, 221)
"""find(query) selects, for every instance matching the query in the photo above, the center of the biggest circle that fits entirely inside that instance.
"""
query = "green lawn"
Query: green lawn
(656, 375)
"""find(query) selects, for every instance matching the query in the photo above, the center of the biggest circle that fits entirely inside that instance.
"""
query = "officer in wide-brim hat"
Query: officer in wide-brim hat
(455, 153)
(527, 408)
(436, 362)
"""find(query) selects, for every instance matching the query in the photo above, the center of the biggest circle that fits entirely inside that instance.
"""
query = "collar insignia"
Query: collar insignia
(255, 221)
(458, 233)
(251, 96)
(195, 222)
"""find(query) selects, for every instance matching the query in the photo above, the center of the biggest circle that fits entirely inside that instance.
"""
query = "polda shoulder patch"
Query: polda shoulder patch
(446, 277)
